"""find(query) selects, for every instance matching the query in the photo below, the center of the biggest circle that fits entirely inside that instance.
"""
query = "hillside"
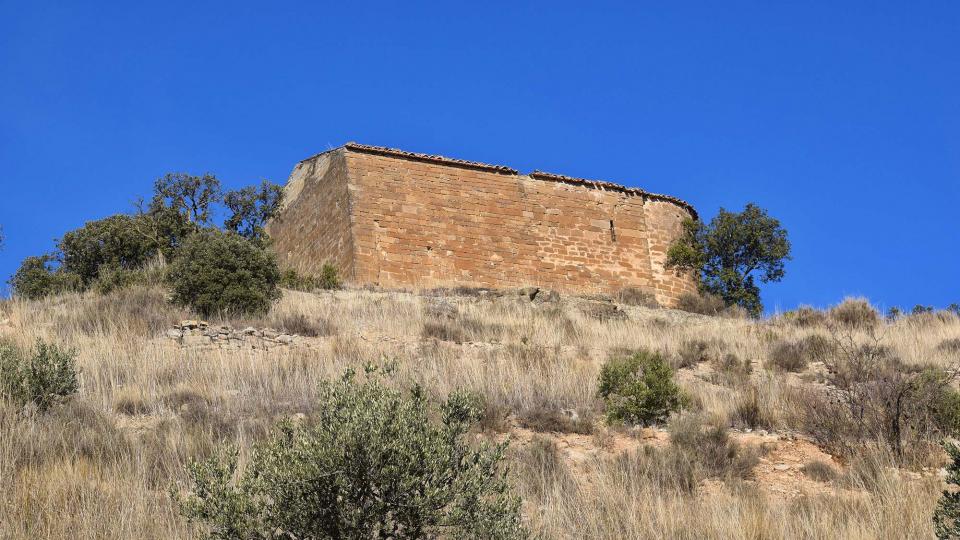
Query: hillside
(152, 397)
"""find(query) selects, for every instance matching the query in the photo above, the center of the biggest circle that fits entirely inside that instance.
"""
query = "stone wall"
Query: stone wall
(420, 221)
(314, 226)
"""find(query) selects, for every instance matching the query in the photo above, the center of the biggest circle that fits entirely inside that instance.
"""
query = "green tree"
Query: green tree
(251, 208)
(38, 277)
(193, 197)
(114, 242)
(731, 252)
(375, 462)
(221, 272)
(639, 389)
(163, 225)
(946, 518)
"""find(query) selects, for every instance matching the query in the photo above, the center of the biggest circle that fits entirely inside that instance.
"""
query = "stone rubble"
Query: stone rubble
(192, 333)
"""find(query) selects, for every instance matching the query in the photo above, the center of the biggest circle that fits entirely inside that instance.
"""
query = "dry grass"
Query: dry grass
(102, 465)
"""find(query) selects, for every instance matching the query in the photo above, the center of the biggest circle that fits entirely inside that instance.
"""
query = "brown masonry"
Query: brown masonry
(399, 219)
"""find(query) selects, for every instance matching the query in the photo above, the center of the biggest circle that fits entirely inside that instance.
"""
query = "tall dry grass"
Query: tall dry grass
(102, 465)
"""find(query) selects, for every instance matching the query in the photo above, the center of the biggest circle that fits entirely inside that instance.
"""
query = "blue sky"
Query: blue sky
(841, 118)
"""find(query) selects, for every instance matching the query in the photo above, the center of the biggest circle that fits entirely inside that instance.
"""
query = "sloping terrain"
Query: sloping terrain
(154, 396)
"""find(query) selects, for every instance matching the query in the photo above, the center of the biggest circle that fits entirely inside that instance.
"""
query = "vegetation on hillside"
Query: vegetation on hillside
(813, 423)
(40, 377)
(218, 272)
(947, 516)
(638, 389)
(731, 253)
(100, 461)
(374, 463)
(213, 269)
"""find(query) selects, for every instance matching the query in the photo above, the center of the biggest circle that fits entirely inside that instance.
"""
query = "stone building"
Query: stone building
(399, 219)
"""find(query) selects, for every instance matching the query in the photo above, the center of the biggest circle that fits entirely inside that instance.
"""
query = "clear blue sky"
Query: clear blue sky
(841, 118)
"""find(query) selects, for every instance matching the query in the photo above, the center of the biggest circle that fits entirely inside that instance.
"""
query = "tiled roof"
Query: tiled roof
(539, 175)
(443, 160)
(602, 184)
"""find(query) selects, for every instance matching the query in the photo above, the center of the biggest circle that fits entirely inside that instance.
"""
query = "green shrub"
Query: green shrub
(224, 273)
(328, 279)
(115, 242)
(946, 518)
(639, 389)
(114, 279)
(374, 463)
(293, 280)
(42, 376)
(945, 403)
(37, 278)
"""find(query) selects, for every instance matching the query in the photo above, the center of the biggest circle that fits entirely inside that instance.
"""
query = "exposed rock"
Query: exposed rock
(529, 292)
(194, 340)
(193, 325)
(536, 294)
(270, 333)
(603, 311)
(547, 296)
(441, 310)
(174, 333)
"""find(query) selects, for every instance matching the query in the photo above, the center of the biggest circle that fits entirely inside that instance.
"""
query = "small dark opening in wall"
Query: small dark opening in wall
(613, 232)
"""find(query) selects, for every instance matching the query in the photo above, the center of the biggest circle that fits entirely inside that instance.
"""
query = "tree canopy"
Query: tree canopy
(732, 252)
(124, 245)
(251, 208)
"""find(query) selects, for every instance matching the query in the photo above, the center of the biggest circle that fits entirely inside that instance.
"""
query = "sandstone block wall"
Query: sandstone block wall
(314, 227)
(398, 219)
